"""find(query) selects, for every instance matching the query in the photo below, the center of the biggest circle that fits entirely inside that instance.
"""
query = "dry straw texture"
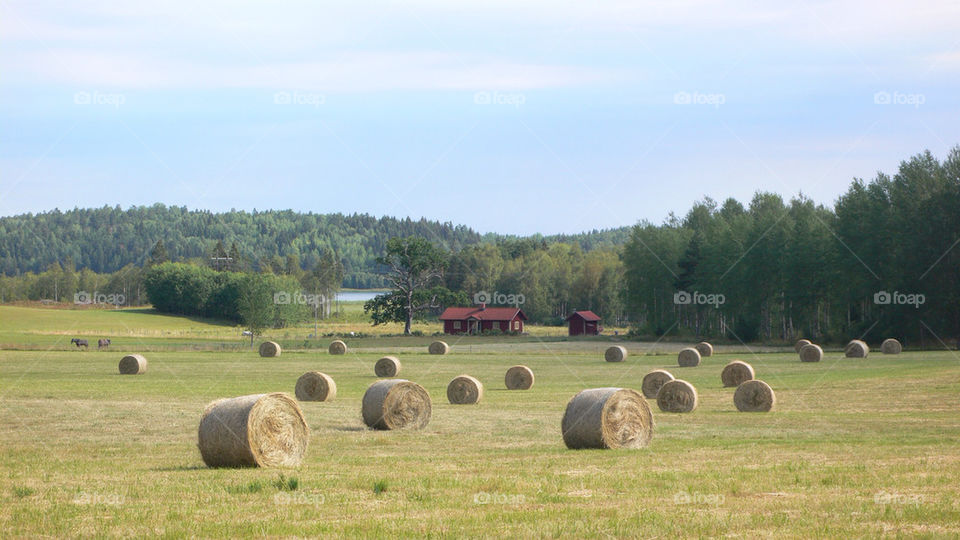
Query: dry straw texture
(315, 386)
(856, 349)
(518, 378)
(811, 353)
(396, 404)
(617, 353)
(688, 357)
(261, 430)
(438, 347)
(801, 343)
(133, 364)
(607, 418)
(269, 349)
(891, 346)
(337, 347)
(705, 349)
(653, 381)
(677, 396)
(388, 366)
(754, 396)
(464, 390)
(735, 373)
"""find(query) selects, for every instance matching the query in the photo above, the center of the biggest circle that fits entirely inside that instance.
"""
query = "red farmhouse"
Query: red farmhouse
(583, 323)
(475, 320)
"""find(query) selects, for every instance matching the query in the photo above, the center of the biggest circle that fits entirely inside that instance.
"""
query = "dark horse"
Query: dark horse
(80, 342)
(103, 343)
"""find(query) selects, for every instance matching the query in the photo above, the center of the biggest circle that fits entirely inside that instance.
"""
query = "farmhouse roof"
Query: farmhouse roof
(483, 314)
(585, 315)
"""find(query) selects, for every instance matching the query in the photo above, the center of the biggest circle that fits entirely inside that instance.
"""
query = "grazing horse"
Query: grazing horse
(103, 343)
(80, 342)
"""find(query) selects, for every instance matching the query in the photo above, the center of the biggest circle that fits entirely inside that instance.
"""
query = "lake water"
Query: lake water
(354, 296)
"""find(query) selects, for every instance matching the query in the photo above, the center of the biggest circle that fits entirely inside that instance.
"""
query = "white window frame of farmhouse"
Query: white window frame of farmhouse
(516, 324)
(456, 325)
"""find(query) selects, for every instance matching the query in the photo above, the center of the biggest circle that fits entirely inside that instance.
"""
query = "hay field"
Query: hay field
(853, 448)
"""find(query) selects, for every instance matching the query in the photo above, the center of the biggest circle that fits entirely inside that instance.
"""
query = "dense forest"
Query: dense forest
(884, 262)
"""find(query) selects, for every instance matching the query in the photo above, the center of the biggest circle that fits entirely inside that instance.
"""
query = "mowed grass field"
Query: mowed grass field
(854, 448)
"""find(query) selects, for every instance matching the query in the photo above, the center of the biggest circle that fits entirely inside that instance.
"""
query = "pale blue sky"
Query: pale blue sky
(512, 118)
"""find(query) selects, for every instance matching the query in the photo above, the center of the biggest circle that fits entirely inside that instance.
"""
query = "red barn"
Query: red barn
(583, 323)
(475, 320)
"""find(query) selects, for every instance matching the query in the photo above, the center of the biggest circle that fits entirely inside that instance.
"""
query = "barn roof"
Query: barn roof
(488, 314)
(585, 315)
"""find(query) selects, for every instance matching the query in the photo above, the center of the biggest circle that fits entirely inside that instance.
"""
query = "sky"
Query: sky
(509, 117)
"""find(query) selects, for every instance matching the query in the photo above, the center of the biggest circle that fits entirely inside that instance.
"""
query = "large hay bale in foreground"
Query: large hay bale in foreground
(388, 366)
(617, 353)
(735, 373)
(653, 381)
(677, 396)
(856, 349)
(133, 364)
(518, 378)
(801, 343)
(438, 347)
(260, 430)
(688, 357)
(315, 386)
(607, 418)
(811, 353)
(337, 347)
(269, 349)
(754, 396)
(464, 390)
(705, 349)
(891, 346)
(396, 404)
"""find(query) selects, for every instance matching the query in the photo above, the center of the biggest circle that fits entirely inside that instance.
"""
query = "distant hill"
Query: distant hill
(107, 239)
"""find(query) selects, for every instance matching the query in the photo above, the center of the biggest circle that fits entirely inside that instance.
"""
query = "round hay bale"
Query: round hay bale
(396, 404)
(735, 373)
(337, 347)
(891, 346)
(617, 353)
(705, 349)
(856, 349)
(518, 378)
(438, 347)
(754, 396)
(388, 366)
(315, 386)
(607, 418)
(677, 396)
(269, 349)
(653, 381)
(811, 353)
(260, 430)
(688, 357)
(464, 390)
(801, 343)
(133, 364)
